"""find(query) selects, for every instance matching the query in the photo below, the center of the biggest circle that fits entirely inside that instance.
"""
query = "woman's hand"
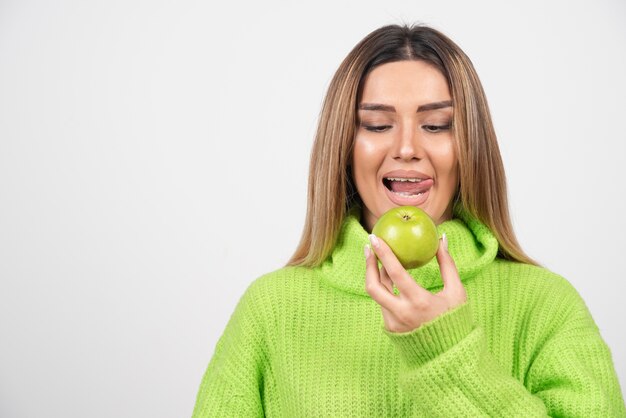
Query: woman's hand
(414, 305)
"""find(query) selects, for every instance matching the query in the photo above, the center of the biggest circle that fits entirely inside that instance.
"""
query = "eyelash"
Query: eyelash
(383, 128)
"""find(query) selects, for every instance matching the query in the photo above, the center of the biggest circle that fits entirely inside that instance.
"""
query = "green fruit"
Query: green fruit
(410, 233)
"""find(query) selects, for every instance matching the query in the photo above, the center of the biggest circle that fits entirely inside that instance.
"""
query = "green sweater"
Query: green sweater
(312, 343)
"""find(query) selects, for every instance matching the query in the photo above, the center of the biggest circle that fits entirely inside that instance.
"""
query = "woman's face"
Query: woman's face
(403, 148)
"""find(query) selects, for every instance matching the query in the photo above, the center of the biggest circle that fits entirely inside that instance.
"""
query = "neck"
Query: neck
(471, 244)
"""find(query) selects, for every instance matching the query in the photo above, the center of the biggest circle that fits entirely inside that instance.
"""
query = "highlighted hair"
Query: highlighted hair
(482, 182)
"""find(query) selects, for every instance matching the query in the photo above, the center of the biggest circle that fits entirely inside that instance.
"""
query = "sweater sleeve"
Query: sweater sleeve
(449, 371)
(232, 383)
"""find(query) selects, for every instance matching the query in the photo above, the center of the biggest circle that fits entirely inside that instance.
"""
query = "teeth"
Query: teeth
(412, 180)
(405, 194)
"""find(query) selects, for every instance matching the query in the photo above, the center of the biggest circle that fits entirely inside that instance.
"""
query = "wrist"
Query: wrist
(429, 340)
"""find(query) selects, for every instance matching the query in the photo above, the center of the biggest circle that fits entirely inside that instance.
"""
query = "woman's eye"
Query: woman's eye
(428, 128)
(436, 128)
(376, 128)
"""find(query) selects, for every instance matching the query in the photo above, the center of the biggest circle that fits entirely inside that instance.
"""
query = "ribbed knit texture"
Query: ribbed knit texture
(312, 343)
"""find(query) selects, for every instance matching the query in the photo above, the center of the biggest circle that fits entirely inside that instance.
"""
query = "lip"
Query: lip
(406, 174)
(405, 200)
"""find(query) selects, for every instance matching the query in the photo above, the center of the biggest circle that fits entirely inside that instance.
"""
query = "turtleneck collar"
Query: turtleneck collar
(471, 244)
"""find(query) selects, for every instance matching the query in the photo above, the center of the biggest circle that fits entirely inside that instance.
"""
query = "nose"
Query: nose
(407, 145)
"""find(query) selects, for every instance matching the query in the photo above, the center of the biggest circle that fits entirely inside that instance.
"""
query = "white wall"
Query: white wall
(154, 156)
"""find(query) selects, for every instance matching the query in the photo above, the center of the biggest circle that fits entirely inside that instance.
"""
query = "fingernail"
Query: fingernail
(445, 241)
(367, 251)
(374, 241)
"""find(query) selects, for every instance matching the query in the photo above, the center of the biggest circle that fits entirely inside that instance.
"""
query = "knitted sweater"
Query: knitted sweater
(308, 342)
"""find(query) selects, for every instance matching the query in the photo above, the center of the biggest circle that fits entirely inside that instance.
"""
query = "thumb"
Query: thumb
(449, 274)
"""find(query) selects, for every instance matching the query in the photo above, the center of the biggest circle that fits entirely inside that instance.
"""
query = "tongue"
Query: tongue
(409, 187)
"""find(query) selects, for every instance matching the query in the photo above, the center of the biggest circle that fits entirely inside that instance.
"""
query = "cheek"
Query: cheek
(445, 160)
(446, 168)
(367, 157)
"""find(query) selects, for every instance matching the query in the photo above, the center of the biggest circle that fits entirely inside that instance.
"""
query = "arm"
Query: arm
(232, 382)
(573, 373)
(447, 367)
(449, 371)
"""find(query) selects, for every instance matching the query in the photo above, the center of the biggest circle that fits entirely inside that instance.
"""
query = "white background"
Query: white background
(154, 159)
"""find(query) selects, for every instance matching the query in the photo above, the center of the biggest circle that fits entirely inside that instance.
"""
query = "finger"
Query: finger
(373, 286)
(385, 280)
(449, 273)
(400, 277)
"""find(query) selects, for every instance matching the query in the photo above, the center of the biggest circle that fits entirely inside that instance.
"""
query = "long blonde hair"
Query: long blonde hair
(482, 182)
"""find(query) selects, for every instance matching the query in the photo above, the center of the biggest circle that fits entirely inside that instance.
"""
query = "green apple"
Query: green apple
(410, 233)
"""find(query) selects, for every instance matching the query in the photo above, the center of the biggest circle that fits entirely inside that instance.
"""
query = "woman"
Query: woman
(481, 330)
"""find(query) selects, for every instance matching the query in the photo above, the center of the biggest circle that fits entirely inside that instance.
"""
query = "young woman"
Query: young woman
(481, 330)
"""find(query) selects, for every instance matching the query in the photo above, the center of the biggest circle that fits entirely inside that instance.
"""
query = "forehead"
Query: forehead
(415, 81)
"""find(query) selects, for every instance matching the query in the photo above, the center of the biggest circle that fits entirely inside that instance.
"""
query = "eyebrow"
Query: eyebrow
(422, 108)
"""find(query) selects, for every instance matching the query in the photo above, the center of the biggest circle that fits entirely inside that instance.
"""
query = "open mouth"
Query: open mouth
(407, 187)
